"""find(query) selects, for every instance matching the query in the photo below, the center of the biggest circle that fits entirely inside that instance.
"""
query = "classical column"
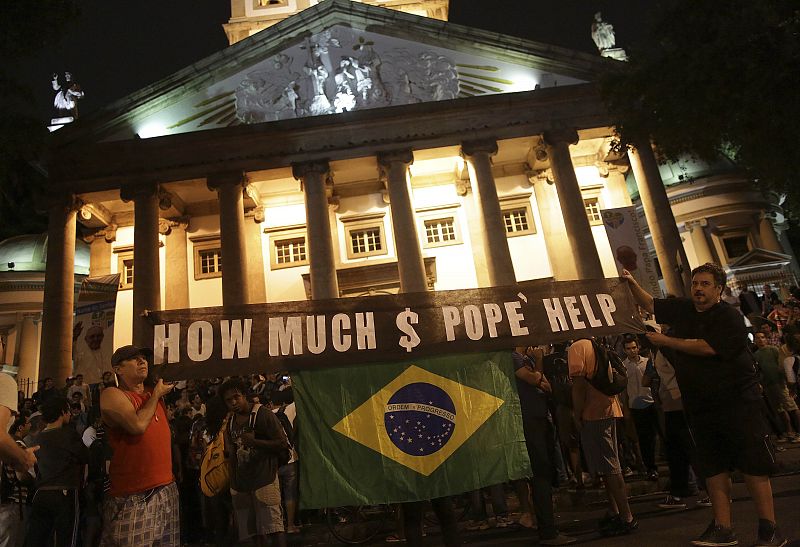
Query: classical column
(55, 355)
(766, 232)
(661, 221)
(27, 348)
(255, 255)
(322, 265)
(230, 187)
(563, 265)
(176, 263)
(498, 257)
(394, 170)
(100, 251)
(146, 263)
(579, 232)
(702, 248)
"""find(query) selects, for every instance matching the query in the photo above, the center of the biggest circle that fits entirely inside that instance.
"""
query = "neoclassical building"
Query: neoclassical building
(350, 148)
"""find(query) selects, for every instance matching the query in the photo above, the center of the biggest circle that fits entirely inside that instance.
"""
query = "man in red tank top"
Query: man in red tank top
(143, 507)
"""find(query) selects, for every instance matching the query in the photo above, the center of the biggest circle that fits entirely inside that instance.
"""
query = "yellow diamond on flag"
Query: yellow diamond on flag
(419, 419)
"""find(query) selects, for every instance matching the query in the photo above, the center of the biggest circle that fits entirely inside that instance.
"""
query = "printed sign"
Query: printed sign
(629, 247)
(210, 342)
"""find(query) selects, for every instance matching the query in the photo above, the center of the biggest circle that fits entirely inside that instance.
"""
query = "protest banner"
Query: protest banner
(629, 247)
(314, 334)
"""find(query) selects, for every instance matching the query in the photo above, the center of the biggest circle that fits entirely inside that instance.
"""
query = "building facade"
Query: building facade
(350, 149)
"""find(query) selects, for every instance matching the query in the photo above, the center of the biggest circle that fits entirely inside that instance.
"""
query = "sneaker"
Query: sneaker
(627, 472)
(559, 539)
(502, 522)
(705, 501)
(394, 538)
(672, 502)
(768, 535)
(617, 527)
(716, 536)
(476, 525)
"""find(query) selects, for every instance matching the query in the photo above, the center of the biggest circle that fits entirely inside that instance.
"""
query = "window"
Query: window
(516, 220)
(207, 256)
(592, 206)
(517, 215)
(288, 246)
(438, 225)
(440, 230)
(364, 235)
(210, 261)
(290, 250)
(735, 246)
(366, 241)
(125, 266)
(126, 274)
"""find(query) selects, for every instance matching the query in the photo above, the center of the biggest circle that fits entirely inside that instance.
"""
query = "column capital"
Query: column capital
(256, 213)
(165, 225)
(405, 156)
(146, 189)
(540, 175)
(605, 168)
(301, 170)
(109, 234)
(470, 148)
(560, 135)
(699, 223)
(216, 180)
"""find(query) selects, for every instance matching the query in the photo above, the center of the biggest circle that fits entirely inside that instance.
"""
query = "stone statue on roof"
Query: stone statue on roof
(602, 33)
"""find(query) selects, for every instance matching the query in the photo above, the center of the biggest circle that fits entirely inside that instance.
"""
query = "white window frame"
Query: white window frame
(516, 202)
(364, 222)
(283, 234)
(589, 193)
(438, 213)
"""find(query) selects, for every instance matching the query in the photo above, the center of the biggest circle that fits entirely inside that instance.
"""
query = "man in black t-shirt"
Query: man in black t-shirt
(721, 397)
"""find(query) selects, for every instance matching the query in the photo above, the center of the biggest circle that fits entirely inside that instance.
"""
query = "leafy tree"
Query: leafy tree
(26, 26)
(717, 77)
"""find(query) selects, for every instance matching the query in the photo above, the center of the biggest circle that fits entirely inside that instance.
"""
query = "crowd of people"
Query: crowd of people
(711, 387)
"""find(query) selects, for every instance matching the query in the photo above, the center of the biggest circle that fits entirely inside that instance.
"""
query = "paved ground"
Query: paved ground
(578, 516)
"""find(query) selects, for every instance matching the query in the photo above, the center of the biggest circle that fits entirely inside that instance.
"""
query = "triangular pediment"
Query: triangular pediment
(335, 57)
(760, 258)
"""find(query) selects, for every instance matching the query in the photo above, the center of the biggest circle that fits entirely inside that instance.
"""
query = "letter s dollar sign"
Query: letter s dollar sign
(404, 321)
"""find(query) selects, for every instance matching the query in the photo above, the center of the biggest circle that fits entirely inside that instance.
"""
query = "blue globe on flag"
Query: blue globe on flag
(420, 418)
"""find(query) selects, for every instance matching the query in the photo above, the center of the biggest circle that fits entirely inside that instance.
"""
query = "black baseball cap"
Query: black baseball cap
(127, 352)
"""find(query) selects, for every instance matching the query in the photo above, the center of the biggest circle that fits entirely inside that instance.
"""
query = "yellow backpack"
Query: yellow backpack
(215, 469)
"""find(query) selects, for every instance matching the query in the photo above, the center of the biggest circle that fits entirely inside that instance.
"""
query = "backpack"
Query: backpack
(610, 377)
(215, 469)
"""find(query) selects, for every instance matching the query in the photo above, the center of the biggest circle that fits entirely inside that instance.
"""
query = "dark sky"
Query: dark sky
(118, 47)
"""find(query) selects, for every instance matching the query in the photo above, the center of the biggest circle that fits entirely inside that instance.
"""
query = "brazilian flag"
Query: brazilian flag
(408, 431)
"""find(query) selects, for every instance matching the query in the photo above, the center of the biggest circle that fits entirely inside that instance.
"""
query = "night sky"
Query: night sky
(116, 48)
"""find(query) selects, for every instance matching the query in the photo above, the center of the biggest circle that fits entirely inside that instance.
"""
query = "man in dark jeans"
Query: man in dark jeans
(531, 385)
(62, 459)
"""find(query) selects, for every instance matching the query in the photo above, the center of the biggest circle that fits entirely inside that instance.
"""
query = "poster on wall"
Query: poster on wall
(93, 327)
(629, 247)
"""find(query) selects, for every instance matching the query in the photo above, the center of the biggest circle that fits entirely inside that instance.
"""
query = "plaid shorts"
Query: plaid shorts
(147, 518)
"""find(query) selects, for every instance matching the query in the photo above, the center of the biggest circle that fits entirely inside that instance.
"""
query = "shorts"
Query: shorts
(735, 437)
(288, 479)
(258, 513)
(599, 442)
(779, 398)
